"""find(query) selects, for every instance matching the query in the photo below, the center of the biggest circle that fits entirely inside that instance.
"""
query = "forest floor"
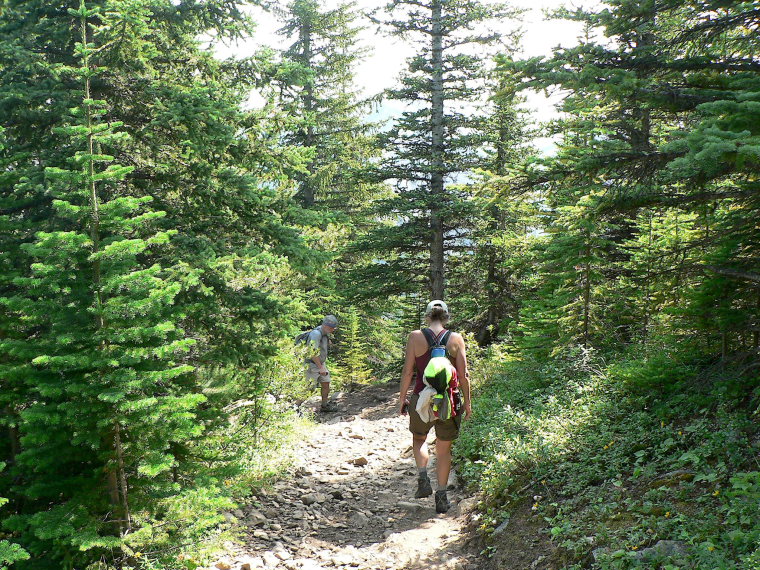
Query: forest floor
(350, 504)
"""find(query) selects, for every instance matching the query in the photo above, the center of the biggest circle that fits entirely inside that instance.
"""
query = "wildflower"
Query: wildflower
(667, 515)
(716, 493)
(711, 548)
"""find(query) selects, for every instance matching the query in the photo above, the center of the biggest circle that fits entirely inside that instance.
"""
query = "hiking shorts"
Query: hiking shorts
(313, 375)
(447, 430)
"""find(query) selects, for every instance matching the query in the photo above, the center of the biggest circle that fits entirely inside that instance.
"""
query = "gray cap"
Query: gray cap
(330, 321)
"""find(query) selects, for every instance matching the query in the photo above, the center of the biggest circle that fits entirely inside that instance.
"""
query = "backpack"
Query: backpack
(302, 337)
(441, 375)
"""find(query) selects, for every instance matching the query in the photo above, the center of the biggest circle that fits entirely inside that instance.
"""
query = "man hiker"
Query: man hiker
(319, 342)
(418, 354)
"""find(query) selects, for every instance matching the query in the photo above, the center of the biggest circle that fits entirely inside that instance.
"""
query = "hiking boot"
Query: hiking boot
(424, 488)
(442, 504)
(329, 407)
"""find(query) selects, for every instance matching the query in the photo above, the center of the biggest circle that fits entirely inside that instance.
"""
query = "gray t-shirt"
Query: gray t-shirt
(318, 341)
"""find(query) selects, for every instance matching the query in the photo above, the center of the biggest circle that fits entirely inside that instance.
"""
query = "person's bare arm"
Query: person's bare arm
(406, 374)
(316, 359)
(463, 374)
(321, 367)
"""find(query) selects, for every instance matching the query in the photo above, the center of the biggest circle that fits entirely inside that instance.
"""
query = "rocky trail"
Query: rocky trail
(350, 501)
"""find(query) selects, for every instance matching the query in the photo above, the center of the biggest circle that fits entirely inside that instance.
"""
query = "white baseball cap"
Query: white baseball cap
(437, 303)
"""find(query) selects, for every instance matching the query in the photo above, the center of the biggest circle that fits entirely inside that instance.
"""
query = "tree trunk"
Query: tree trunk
(122, 476)
(437, 256)
(587, 292)
(13, 437)
(307, 188)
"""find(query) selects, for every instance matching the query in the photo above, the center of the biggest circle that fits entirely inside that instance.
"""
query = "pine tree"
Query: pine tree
(108, 395)
(9, 551)
(566, 310)
(488, 275)
(317, 90)
(354, 356)
(660, 118)
(219, 173)
(432, 142)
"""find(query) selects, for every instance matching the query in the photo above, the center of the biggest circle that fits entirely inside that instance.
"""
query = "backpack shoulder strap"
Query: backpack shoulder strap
(430, 337)
(445, 338)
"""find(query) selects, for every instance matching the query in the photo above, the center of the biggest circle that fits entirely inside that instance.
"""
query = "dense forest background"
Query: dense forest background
(162, 243)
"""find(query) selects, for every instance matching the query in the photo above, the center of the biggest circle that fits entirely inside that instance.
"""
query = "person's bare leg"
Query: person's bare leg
(420, 450)
(442, 462)
(421, 457)
(325, 391)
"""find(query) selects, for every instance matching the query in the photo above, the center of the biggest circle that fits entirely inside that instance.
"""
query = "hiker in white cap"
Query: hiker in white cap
(418, 354)
(316, 370)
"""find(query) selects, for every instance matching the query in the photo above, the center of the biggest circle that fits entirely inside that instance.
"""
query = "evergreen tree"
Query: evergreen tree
(661, 122)
(433, 142)
(487, 271)
(567, 308)
(108, 396)
(354, 357)
(217, 172)
(9, 551)
(318, 92)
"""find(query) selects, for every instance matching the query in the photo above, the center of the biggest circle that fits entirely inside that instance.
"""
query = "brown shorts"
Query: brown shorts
(447, 430)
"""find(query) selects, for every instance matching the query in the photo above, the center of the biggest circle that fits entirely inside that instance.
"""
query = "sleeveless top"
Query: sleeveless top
(421, 363)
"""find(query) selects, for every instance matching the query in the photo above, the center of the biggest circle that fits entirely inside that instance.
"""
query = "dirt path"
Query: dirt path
(351, 505)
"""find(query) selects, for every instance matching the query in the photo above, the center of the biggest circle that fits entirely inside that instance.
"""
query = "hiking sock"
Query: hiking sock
(422, 472)
(442, 504)
(424, 488)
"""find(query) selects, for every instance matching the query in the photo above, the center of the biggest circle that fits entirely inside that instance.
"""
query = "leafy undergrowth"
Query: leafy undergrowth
(616, 457)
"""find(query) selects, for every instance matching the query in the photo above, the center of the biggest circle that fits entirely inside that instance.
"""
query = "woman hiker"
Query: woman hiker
(446, 431)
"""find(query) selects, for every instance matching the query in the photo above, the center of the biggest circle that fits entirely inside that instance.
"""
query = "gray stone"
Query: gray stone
(281, 552)
(672, 479)
(409, 506)
(671, 548)
(251, 562)
(270, 560)
(502, 527)
(597, 553)
(358, 519)
(256, 518)
(309, 499)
